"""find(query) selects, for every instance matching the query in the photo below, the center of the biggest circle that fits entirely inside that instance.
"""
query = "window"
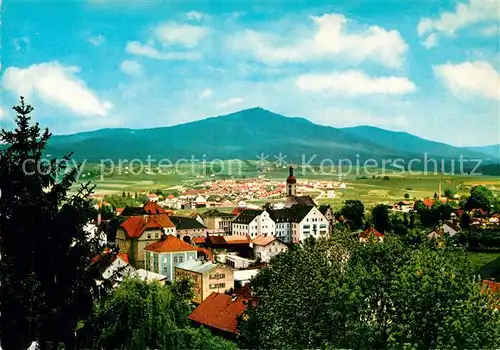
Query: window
(175, 260)
(218, 285)
(156, 235)
(181, 259)
(149, 235)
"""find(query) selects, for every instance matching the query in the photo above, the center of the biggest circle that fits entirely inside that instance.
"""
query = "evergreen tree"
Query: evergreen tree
(47, 271)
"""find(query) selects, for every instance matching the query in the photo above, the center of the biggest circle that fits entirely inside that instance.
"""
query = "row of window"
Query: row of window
(217, 285)
(217, 276)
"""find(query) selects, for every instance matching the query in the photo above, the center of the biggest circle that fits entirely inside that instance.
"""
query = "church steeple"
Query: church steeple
(291, 183)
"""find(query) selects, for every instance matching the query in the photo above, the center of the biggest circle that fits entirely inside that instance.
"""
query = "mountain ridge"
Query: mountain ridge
(249, 132)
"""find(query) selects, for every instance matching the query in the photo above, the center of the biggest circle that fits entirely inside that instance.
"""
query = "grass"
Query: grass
(486, 264)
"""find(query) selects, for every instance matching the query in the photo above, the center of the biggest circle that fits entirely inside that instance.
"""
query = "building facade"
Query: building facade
(207, 277)
(267, 247)
(253, 222)
(136, 232)
(162, 256)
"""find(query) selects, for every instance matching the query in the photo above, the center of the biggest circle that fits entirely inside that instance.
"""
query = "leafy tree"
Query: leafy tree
(142, 198)
(407, 196)
(380, 218)
(141, 315)
(465, 220)
(124, 195)
(480, 198)
(369, 295)
(354, 212)
(449, 193)
(118, 201)
(46, 269)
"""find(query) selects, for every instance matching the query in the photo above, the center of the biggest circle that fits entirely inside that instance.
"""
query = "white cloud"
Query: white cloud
(180, 34)
(329, 39)
(354, 83)
(96, 40)
(431, 41)
(464, 14)
(194, 15)
(477, 78)
(493, 30)
(147, 50)
(230, 102)
(206, 93)
(56, 85)
(131, 67)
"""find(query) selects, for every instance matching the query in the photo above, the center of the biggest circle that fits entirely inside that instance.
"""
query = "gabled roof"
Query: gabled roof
(169, 244)
(153, 208)
(186, 223)
(452, 225)
(263, 240)
(225, 240)
(220, 311)
(247, 216)
(136, 225)
(237, 210)
(370, 231)
(299, 200)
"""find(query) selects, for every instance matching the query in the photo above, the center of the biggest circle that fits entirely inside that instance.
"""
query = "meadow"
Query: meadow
(372, 186)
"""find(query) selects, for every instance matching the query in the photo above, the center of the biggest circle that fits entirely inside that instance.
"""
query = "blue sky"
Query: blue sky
(429, 68)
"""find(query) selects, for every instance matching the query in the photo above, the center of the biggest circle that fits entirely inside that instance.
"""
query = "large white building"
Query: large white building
(253, 222)
(295, 224)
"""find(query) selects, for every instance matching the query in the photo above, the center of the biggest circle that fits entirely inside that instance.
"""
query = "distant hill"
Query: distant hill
(492, 151)
(246, 134)
(408, 143)
(242, 135)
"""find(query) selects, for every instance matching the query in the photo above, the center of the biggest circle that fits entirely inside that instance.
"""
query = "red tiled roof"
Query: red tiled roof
(123, 256)
(491, 286)
(371, 231)
(199, 240)
(136, 225)
(153, 208)
(428, 202)
(208, 253)
(170, 244)
(220, 312)
(263, 240)
(237, 210)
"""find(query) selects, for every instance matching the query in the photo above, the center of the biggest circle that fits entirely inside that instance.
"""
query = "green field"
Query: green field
(360, 185)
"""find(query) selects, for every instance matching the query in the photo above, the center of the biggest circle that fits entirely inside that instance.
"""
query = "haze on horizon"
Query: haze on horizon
(432, 70)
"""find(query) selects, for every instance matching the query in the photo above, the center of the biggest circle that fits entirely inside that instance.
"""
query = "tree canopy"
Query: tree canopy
(480, 198)
(141, 315)
(354, 212)
(341, 293)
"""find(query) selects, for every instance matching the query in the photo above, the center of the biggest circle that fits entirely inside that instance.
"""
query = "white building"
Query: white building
(245, 276)
(266, 247)
(253, 222)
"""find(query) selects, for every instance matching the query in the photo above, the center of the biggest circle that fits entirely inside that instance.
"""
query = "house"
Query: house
(118, 268)
(220, 313)
(451, 228)
(404, 206)
(297, 223)
(188, 228)
(299, 200)
(136, 232)
(266, 247)
(327, 212)
(235, 261)
(145, 275)
(199, 241)
(162, 256)
(435, 234)
(216, 220)
(200, 202)
(253, 222)
(148, 208)
(207, 277)
(369, 233)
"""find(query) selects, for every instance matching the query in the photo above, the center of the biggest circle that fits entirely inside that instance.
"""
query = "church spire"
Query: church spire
(291, 183)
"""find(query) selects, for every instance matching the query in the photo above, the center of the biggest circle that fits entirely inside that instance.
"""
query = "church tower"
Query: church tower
(291, 184)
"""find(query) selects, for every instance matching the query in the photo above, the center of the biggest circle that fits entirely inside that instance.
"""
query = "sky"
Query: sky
(431, 68)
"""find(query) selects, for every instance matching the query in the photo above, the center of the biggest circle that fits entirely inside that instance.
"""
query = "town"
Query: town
(222, 251)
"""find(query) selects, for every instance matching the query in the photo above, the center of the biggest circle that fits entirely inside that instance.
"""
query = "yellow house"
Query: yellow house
(206, 276)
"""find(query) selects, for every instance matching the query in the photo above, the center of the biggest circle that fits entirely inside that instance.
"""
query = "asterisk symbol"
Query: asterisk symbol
(262, 159)
(280, 159)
